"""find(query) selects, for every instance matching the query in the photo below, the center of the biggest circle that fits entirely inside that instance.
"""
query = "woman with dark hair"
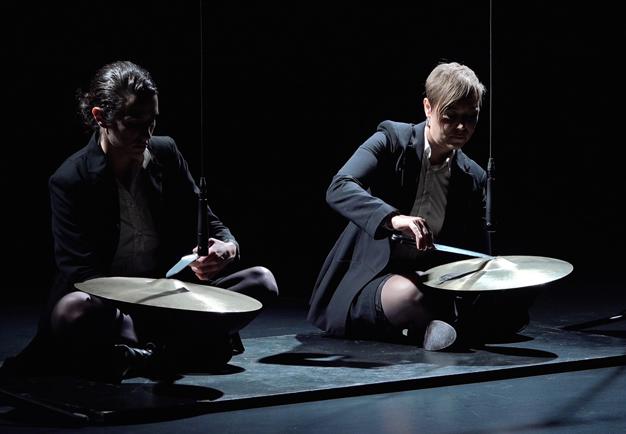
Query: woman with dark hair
(125, 205)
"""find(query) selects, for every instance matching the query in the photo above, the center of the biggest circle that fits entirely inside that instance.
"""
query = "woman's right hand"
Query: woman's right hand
(414, 227)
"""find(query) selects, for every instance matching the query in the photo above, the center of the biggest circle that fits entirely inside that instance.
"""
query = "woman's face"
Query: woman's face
(454, 126)
(130, 133)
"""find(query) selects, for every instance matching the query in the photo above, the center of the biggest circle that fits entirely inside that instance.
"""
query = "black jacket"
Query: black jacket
(86, 216)
(381, 178)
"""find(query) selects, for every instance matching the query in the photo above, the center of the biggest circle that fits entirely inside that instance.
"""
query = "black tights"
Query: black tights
(256, 282)
(84, 322)
(409, 304)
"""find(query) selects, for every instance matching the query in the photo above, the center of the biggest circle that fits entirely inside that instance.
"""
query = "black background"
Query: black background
(293, 89)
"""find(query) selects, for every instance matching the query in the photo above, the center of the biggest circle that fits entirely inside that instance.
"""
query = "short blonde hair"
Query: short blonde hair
(452, 82)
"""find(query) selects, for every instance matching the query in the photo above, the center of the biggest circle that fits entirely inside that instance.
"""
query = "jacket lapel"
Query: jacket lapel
(411, 165)
(154, 172)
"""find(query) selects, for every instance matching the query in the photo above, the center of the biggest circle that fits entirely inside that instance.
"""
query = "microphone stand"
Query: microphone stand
(491, 166)
(203, 227)
(463, 304)
(202, 248)
(585, 325)
(489, 207)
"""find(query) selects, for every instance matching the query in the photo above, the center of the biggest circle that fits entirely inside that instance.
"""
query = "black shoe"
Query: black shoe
(236, 344)
(128, 362)
(439, 335)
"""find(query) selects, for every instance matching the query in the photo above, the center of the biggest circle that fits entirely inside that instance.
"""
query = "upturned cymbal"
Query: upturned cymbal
(170, 293)
(496, 274)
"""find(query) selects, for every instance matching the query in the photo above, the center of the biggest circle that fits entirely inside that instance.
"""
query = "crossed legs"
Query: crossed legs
(88, 326)
(403, 303)
(481, 317)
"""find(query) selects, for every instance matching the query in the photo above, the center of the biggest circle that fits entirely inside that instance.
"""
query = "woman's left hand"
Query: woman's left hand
(220, 255)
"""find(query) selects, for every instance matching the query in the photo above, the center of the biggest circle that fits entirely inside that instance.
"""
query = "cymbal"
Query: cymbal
(170, 293)
(497, 273)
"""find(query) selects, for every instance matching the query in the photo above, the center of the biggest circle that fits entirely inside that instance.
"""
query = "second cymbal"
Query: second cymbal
(170, 293)
(496, 274)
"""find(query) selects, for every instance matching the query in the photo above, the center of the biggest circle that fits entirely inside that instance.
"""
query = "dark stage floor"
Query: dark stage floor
(574, 399)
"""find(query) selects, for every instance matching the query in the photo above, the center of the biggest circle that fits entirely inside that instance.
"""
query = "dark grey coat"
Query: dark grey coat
(86, 217)
(381, 178)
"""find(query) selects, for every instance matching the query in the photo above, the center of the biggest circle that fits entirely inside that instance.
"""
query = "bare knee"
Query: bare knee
(264, 279)
(402, 291)
(70, 309)
(402, 301)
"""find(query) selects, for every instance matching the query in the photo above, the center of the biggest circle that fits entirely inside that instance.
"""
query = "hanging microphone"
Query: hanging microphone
(203, 217)
(203, 226)
(491, 165)
(203, 234)
(489, 209)
(490, 222)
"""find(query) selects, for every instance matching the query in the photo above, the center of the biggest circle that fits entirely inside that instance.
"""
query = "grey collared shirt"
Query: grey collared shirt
(136, 253)
(432, 190)
(430, 201)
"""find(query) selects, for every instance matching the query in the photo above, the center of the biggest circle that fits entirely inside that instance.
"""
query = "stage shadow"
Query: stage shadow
(529, 353)
(67, 401)
(185, 392)
(614, 326)
(225, 370)
(513, 339)
(319, 350)
(613, 333)
(319, 360)
(486, 355)
(619, 318)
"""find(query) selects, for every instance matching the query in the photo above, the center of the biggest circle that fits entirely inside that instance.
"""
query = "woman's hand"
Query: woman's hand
(220, 255)
(414, 227)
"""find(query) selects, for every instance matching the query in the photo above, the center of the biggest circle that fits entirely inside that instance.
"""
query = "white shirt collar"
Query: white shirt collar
(147, 156)
(428, 151)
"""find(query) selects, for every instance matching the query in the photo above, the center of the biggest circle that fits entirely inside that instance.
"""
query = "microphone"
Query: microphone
(203, 225)
(489, 208)
(491, 177)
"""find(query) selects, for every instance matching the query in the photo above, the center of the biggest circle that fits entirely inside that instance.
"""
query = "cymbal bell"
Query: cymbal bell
(497, 273)
(170, 293)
